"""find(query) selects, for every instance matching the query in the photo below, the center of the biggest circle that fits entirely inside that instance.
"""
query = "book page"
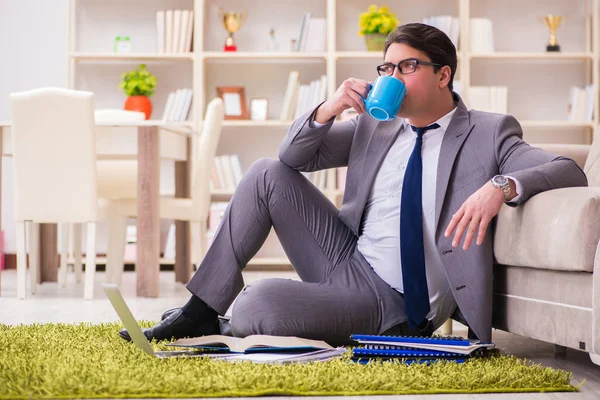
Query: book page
(240, 345)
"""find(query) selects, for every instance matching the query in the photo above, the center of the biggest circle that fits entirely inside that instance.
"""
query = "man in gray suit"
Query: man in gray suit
(375, 266)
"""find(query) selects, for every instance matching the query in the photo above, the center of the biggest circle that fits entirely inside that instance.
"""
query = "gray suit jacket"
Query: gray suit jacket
(476, 146)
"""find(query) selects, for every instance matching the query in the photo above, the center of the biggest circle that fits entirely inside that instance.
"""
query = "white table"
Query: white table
(151, 142)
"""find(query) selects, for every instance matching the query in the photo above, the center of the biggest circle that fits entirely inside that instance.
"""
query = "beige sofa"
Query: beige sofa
(547, 272)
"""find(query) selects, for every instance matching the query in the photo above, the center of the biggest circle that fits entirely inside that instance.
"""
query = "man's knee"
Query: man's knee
(265, 164)
(254, 310)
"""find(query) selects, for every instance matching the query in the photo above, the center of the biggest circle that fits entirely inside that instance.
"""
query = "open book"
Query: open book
(252, 344)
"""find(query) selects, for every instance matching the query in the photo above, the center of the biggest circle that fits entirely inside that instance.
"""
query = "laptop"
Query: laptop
(135, 332)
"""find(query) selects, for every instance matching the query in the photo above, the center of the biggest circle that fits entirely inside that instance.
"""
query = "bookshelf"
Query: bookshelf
(537, 81)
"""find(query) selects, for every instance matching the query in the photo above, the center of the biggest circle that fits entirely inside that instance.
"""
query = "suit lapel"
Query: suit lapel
(455, 135)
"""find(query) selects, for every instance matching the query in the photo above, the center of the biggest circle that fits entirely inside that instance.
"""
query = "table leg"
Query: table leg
(148, 213)
(183, 249)
(49, 259)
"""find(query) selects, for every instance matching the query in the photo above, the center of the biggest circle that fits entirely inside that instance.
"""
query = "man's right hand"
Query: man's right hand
(347, 96)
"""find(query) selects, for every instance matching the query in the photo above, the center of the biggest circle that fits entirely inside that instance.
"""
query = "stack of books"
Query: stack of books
(409, 349)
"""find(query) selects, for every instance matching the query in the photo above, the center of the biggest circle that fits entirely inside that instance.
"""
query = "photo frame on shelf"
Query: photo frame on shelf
(258, 109)
(234, 101)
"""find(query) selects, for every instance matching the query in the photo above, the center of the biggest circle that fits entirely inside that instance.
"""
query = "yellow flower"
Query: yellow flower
(377, 20)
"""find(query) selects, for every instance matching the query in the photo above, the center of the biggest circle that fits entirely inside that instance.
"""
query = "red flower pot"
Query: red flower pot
(139, 103)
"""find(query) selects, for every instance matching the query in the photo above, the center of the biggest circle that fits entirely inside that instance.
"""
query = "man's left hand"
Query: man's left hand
(475, 215)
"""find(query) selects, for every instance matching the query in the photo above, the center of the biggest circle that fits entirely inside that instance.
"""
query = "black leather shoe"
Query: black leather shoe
(169, 312)
(177, 326)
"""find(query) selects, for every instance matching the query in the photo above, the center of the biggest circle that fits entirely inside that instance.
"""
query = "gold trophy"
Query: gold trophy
(232, 22)
(552, 22)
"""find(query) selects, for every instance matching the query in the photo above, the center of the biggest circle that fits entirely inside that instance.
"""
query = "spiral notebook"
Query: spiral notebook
(454, 345)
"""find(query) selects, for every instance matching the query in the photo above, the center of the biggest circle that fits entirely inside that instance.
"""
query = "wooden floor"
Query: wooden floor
(55, 304)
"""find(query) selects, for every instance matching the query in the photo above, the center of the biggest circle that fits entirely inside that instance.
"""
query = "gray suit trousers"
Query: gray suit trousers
(340, 294)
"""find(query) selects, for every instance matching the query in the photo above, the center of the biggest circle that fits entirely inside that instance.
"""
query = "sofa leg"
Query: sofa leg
(560, 350)
(595, 358)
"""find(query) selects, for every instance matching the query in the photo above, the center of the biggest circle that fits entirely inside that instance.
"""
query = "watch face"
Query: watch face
(500, 180)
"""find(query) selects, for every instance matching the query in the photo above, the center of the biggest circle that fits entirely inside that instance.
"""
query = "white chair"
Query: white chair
(194, 209)
(55, 175)
(115, 179)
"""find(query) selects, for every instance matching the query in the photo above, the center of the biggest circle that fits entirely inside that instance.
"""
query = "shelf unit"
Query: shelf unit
(265, 73)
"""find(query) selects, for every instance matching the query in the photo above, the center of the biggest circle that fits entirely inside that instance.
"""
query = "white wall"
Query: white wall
(27, 64)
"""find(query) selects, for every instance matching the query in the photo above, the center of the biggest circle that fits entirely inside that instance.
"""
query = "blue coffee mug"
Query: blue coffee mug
(385, 98)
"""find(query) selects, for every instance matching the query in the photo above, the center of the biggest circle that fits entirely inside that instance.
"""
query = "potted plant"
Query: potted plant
(138, 85)
(375, 25)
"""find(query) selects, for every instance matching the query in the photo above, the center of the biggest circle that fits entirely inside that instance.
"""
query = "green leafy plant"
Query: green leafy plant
(139, 82)
(377, 20)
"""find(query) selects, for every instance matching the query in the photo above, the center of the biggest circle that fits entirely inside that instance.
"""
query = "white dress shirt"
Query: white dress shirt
(379, 241)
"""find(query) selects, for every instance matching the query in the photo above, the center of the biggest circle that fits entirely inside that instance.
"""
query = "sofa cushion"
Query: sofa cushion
(557, 287)
(557, 229)
(576, 152)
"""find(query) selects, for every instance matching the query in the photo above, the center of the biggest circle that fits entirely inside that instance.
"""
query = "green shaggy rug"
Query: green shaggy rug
(91, 361)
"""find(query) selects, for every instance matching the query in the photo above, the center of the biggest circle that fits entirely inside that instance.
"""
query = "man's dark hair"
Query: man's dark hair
(428, 39)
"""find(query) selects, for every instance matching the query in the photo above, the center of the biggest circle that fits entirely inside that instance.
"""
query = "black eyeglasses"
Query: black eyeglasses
(405, 67)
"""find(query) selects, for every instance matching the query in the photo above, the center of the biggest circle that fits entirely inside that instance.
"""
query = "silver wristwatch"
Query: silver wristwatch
(502, 183)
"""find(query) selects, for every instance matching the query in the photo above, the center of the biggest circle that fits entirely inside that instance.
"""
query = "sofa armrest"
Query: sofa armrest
(576, 152)
(557, 229)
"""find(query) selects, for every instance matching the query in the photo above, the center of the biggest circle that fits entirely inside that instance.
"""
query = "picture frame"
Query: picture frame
(259, 107)
(234, 101)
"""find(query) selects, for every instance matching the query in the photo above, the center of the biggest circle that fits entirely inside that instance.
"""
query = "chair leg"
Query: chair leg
(115, 260)
(90, 261)
(199, 245)
(64, 254)
(34, 255)
(21, 260)
(77, 240)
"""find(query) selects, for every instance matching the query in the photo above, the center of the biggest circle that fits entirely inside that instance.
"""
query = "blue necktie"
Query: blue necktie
(412, 252)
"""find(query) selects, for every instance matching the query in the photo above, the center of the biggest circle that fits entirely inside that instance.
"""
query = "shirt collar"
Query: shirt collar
(442, 122)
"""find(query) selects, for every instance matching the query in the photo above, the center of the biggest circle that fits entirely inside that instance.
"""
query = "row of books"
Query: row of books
(581, 103)
(227, 172)
(313, 33)
(174, 30)
(446, 23)
(489, 98)
(481, 35)
(299, 98)
(320, 178)
(178, 105)
(215, 215)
